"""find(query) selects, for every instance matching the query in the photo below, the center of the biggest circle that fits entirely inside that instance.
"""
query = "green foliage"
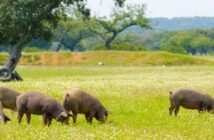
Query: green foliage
(202, 43)
(27, 19)
(132, 39)
(191, 41)
(123, 46)
(31, 49)
(179, 41)
(72, 31)
(140, 48)
(99, 47)
(41, 44)
(176, 44)
(121, 19)
(152, 40)
(24, 20)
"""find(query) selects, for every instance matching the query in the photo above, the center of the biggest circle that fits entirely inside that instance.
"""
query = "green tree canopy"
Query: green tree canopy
(121, 19)
(191, 41)
(202, 44)
(70, 32)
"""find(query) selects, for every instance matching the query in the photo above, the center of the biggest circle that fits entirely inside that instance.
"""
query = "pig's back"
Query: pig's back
(187, 94)
(8, 97)
(83, 100)
(34, 101)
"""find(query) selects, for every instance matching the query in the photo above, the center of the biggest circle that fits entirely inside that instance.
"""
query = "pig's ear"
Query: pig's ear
(70, 115)
(63, 114)
(107, 112)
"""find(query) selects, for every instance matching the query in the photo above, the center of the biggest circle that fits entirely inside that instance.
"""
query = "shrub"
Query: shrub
(123, 46)
(32, 49)
(99, 47)
(140, 48)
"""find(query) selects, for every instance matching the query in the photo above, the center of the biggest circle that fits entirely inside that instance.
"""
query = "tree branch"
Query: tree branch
(126, 26)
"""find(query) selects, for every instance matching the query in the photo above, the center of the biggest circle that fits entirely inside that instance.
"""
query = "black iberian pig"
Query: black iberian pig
(190, 99)
(8, 101)
(41, 104)
(79, 101)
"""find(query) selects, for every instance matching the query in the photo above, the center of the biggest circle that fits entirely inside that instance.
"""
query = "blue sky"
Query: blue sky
(160, 8)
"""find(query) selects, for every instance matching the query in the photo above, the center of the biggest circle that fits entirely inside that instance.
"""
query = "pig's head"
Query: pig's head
(102, 115)
(64, 117)
(210, 108)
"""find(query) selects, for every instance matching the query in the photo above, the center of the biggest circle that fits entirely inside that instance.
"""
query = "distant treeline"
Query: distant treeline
(179, 35)
(195, 41)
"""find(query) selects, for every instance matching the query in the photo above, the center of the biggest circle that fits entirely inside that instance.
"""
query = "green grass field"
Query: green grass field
(138, 98)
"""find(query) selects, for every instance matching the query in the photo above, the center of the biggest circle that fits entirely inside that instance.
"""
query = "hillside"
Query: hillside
(176, 24)
(118, 58)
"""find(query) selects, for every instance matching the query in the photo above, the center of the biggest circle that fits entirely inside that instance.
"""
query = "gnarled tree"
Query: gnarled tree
(120, 20)
(23, 20)
(72, 31)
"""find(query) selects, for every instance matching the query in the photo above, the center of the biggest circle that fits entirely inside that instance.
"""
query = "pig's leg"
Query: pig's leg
(201, 108)
(171, 108)
(74, 117)
(1, 113)
(177, 110)
(91, 115)
(21, 109)
(45, 118)
(6, 118)
(20, 115)
(28, 117)
(87, 117)
(75, 112)
(49, 121)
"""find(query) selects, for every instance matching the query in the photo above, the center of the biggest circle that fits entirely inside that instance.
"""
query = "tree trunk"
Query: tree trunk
(71, 48)
(192, 51)
(58, 48)
(8, 73)
(74, 44)
(107, 45)
(109, 40)
(14, 57)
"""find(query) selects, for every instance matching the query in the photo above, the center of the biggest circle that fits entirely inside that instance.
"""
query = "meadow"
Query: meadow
(138, 98)
(110, 58)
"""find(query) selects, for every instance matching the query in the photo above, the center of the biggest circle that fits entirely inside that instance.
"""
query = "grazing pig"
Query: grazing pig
(41, 104)
(190, 99)
(8, 101)
(78, 101)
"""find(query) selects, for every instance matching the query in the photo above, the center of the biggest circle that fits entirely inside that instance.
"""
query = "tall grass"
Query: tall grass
(136, 96)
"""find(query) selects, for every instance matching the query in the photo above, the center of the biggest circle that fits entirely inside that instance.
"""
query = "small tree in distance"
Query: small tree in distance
(70, 32)
(120, 20)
